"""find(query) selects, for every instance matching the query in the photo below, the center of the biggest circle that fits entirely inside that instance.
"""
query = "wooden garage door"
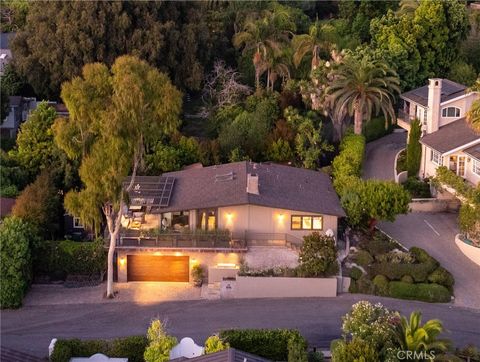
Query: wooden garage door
(157, 268)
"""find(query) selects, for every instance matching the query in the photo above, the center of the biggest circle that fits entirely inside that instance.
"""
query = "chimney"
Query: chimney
(252, 184)
(434, 99)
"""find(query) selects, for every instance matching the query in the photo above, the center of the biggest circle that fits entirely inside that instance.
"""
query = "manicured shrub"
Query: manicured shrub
(132, 348)
(417, 188)
(433, 293)
(348, 163)
(353, 286)
(355, 273)
(376, 128)
(407, 279)
(318, 256)
(267, 343)
(419, 272)
(378, 245)
(297, 349)
(355, 350)
(365, 285)
(414, 149)
(381, 285)
(315, 356)
(215, 344)
(443, 277)
(422, 256)
(363, 258)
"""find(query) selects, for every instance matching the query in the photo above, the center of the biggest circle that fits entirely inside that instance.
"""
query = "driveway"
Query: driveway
(30, 329)
(380, 156)
(435, 232)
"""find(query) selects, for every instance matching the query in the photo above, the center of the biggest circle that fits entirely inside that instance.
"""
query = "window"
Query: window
(476, 167)
(307, 222)
(207, 219)
(436, 157)
(77, 223)
(451, 112)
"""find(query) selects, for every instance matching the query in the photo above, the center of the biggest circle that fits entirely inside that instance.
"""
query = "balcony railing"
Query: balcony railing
(405, 116)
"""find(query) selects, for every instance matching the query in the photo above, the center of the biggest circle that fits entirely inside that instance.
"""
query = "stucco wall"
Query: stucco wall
(433, 205)
(206, 259)
(259, 219)
(464, 104)
(270, 287)
(471, 252)
(427, 167)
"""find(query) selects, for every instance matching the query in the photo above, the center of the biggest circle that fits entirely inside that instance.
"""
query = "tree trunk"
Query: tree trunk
(357, 121)
(114, 225)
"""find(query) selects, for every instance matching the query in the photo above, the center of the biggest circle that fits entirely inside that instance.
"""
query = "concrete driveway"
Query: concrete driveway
(30, 329)
(380, 156)
(435, 232)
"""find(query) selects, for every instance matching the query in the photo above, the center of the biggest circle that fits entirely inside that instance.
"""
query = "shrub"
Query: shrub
(198, 274)
(268, 343)
(355, 273)
(353, 286)
(315, 356)
(469, 221)
(396, 257)
(297, 349)
(433, 293)
(414, 149)
(381, 285)
(378, 245)
(422, 256)
(365, 285)
(443, 277)
(129, 347)
(215, 344)
(376, 128)
(159, 343)
(355, 350)
(407, 279)
(318, 256)
(363, 258)
(419, 272)
(417, 188)
(16, 238)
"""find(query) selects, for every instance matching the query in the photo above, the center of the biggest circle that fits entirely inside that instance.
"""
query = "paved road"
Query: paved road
(435, 232)
(30, 329)
(380, 156)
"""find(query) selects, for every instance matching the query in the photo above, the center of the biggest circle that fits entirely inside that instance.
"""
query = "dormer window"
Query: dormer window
(450, 112)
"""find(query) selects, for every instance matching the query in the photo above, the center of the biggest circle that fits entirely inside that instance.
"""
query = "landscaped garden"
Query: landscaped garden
(380, 266)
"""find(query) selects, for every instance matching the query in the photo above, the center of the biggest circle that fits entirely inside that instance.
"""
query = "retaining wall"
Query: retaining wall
(470, 251)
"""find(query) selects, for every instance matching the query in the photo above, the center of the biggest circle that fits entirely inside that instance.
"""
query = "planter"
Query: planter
(472, 252)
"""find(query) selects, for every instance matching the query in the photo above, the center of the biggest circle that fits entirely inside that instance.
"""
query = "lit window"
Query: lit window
(77, 223)
(436, 157)
(476, 167)
(307, 222)
(451, 112)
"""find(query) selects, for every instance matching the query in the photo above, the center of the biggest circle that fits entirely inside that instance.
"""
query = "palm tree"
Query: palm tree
(473, 115)
(361, 86)
(412, 336)
(313, 43)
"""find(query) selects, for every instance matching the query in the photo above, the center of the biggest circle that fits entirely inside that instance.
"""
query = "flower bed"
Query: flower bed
(379, 266)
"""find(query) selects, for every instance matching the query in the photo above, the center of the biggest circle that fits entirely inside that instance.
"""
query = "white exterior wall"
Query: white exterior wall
(463, 103)
(427, 167)
(260, 219)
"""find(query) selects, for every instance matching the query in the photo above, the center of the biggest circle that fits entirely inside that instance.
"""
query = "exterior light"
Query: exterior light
(123, 261)
(157, 253)
(229, 216)
(226, 265)
(178, 254)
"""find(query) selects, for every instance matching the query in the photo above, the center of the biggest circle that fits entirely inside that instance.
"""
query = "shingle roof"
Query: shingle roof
(450, 90)
(451, 136)
(227, 355)
(280, 186)
(473, 151)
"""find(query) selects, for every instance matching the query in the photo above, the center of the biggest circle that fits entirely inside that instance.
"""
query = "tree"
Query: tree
(39, 204)
(361, 86)
(215, 344)
(473, 114)
(463, 73)
(13, 177)
(414, 148)
(16, 238)
(160, 343)
(13, 14)
(10, 85)
(113, 115)
(318, 256)
(313, 43)
(413, 336)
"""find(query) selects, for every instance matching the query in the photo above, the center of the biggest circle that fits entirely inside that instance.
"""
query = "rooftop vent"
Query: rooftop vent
(252, 184)
(225, 177)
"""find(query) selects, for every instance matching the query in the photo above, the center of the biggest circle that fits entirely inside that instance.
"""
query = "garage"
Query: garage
(152, 268)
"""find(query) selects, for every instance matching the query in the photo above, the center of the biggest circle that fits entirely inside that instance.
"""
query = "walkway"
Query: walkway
(380, 156)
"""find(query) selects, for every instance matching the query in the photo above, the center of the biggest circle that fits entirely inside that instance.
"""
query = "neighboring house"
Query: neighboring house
(227, 355)
(211, 215)
(20, 108)
(5, 52)
(446, 137)
(75, 230)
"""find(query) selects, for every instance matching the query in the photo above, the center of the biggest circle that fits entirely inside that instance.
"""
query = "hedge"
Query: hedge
(433, 293)
(419, 272)
(348, 163)
(376, 128)
(422, 256)
(60, 258)
(363, 258)
(443, 277)
(355, 273)
(365, 285)
(129, 347)
(381, 285)
(268, 343)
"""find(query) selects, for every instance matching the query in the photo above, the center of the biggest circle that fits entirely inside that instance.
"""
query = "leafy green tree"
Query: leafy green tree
(13, 177)
(414, 149)
(318, 256)
(413, 336)
(10, 85)
(357, 350)
(16, 238)
(13, 14)
(463, 73)
(469, 221)
(314, 42)
(361, 86)
(160, 343)
(40, 205)
(114, 114)
(215, 344)
(309, 144)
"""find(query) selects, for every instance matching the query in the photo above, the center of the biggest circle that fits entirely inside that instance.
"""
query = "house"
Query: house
(20, 108)
(5, 52)
(212, 215)
(227, 355)
(447, 140)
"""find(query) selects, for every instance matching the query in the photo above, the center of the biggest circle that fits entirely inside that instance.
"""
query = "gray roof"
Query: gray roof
(227, 355)
(450, 90)
(5, 39)
(15, 101)
(451, 136)
(473, 151)
(282, 187)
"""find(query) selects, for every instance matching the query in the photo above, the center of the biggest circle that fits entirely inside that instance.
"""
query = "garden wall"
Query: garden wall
(280, 287)
(433, 205)
(470, 251)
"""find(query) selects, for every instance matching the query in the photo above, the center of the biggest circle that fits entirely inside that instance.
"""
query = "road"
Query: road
(380, 156)
(30, 329)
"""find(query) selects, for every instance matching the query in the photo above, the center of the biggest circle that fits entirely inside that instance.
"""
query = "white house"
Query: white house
(446, 139)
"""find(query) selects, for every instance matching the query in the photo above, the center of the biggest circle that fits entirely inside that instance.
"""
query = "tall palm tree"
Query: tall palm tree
(473, 115)
(313, 43)
(413, 336)
(361, 86)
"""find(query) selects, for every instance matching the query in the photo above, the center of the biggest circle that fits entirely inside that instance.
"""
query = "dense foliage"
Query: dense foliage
(215, 344)
(414, 148)
(318, 256)
(159, 343)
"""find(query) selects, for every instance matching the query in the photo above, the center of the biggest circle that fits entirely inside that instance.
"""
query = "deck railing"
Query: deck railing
(405, 116)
